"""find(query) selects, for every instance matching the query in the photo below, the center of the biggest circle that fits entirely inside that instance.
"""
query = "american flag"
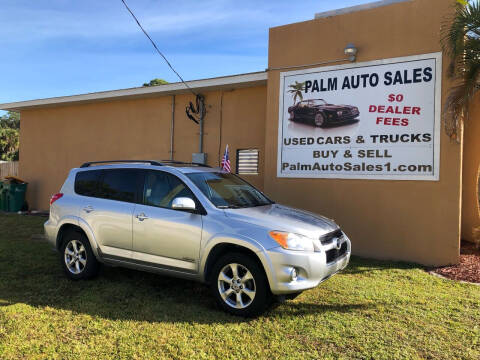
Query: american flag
(226, 161)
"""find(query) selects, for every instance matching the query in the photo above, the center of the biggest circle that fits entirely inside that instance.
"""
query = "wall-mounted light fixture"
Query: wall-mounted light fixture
(351, 52)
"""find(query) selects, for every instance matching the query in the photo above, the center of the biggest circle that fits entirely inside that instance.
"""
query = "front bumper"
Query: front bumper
(312, 268)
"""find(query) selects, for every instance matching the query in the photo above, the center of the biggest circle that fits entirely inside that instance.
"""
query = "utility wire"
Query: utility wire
(156, 48)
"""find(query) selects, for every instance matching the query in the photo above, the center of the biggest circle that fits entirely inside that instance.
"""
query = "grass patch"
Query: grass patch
(374, 310)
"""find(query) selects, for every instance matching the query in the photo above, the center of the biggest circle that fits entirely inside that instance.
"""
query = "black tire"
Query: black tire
(91, 266)
(262, 291)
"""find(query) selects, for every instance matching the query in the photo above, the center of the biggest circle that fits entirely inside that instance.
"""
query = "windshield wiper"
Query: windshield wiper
(243, 206)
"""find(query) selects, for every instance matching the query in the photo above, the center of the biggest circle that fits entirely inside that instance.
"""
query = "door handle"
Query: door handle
(88, 209)
(141, 217)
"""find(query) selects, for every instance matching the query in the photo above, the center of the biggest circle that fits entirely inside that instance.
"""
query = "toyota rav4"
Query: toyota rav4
(194, 222)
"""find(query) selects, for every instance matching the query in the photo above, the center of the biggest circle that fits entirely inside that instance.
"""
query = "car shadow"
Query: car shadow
(31, 274)
(124, 294)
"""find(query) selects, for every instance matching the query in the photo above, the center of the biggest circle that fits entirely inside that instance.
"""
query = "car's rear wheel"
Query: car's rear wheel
(78, 260)
(239, 285)
(319, 120)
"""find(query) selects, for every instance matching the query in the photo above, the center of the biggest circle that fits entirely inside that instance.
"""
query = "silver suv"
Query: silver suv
(192, 222)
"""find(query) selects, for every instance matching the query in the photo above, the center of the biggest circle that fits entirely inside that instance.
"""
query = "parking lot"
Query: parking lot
(373, 310)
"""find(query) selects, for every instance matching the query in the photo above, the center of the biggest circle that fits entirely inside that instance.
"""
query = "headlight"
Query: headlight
(339, 113)
(292, 241)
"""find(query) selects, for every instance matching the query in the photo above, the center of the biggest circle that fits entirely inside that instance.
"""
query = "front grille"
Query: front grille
(328, 238)
(334, 254)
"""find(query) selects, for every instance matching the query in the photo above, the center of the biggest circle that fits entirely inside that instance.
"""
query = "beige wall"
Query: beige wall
(56, 139)
(405, 220)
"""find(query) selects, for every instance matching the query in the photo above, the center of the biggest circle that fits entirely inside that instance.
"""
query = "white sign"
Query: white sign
(372, 120)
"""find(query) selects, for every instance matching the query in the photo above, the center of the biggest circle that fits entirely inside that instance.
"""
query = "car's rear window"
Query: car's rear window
(87, 183)
(111, 184)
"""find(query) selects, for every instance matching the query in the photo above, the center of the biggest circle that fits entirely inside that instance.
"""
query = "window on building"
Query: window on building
(247, 162)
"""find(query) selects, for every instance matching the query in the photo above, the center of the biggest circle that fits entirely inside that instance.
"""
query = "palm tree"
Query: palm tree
(297, 89)
(461, 41)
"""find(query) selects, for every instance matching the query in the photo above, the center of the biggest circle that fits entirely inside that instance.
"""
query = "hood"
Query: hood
(284, 218)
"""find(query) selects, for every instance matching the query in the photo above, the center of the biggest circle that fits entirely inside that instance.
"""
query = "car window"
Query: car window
(161, 188)
(120, 184)
(87, 182)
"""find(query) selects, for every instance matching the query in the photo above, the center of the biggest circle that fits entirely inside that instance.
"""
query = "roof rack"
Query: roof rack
(151, 162)
(175, 162)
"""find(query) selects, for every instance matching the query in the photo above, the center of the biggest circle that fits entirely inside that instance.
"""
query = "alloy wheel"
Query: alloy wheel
(236, 286)
(75, 257)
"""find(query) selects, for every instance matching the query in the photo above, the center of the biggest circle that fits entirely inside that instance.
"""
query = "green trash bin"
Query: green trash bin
(15, 195)
(5, 191)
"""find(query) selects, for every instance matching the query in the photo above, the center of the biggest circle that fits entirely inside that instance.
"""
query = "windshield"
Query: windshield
(313, 102)
(226, 190)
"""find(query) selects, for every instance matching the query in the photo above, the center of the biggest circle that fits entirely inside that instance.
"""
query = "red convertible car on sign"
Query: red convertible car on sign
(319, 113)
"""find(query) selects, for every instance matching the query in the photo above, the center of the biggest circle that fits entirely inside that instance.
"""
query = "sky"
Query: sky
(65, 47)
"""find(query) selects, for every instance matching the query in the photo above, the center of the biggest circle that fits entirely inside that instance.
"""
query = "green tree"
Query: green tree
(461, 42)
(9, 136)
(10, 120)
(156, 82)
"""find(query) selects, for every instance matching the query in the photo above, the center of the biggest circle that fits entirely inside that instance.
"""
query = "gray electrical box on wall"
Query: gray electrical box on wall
(200, 158)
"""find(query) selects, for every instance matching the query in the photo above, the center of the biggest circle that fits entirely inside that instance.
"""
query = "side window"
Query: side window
(121, 184)
(161, 188)
(87, 182)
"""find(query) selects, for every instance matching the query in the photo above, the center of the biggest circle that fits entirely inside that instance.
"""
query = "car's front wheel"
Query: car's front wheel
(239, 285)
(78, 260)
(319, 120)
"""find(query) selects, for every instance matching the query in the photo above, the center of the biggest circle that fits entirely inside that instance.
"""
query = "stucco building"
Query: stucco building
(417, 219)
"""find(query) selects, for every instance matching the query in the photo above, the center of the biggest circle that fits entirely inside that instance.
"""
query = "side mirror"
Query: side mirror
(183, 203)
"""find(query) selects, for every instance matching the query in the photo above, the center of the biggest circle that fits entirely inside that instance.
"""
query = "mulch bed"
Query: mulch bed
(468, 269)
